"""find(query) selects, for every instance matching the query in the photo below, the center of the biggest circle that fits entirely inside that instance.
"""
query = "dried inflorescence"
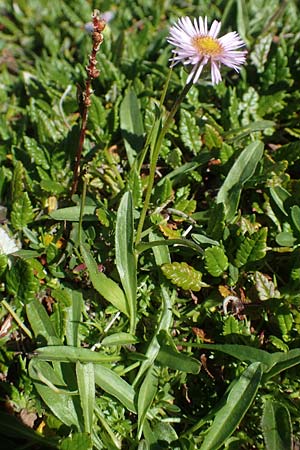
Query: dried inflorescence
(97, 37)
(98, 25)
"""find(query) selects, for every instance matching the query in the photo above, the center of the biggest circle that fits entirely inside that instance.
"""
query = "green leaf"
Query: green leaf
(40, 323)
(280, 195)
(78, 441)
(265, 287)
(108, 288)
(36, 153)
(282, 361)
(259, 54)
(21, 281)
(189, 130)
(125, 257)
(183, 275)
(11, 426)
(86, 387)
(3, 263)
(131, 123)
(71, 306)
(252, 249)
(162, 256)
(119, 339)
(65, 353)
(146, 396)
(17, 182)
(72, 213)
(216, 261)
(241, 171)
(272, 363)
(239, 400)
(276, 426)
(212, 137)
(295, 213)
(284, 319)
(168, 357)
(285, 239)
(49, 384)
(113, 384)
(22, 212)
(231, 326)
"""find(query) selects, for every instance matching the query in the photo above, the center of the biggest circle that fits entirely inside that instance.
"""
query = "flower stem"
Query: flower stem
(154, 158)
(92, 73)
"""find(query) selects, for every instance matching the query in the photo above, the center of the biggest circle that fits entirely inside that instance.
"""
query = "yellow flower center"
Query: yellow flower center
(207, 46)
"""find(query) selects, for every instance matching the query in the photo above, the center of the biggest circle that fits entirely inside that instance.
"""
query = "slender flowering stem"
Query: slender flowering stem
(92, 72)
(154, 159)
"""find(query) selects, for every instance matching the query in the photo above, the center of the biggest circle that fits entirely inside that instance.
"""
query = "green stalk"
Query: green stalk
(17, 319)
(150, 134)
(82, 204)
(154, 159)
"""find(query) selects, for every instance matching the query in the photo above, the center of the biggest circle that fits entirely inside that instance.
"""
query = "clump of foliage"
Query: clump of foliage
(182, 334)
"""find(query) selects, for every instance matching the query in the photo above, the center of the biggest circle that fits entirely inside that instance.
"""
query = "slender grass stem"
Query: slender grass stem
(154, 158)
(17, 319)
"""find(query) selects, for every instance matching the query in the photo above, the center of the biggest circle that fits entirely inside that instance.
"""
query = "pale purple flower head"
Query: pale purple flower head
(198, 46)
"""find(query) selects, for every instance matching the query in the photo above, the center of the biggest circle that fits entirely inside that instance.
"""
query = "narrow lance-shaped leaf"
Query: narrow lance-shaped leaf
(113, 384)
(63, 405)
(276, 426)
(86, 387)
(125, 257)
(131, 122)
(241, 171)
(108, 288)
(162, 256)
(237, 404)
(147, 393)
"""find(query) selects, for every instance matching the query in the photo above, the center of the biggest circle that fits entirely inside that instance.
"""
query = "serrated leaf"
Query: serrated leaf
(21, 281)
(36, 153)
(183, 275)
(252, 249)
(259, 54)
(135, 186)
(17, 182)
(276, 426)
(22, 212)
(279, 344)
(3, 263)
(189, 131)
(216, 262)
(231, 326)
(284, 319)
(212, 137)
(265, 287)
